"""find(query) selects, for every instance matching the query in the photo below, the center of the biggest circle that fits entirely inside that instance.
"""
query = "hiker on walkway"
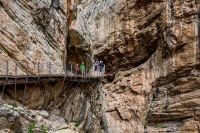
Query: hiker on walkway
(101, 66)
(96, 63)
(96, 67)
(77, 69)
(82, 68)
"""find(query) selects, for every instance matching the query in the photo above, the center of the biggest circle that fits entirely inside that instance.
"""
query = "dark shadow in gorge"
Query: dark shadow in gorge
(77, 101)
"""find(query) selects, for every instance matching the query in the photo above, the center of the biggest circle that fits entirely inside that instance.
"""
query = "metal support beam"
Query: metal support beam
(27, 67)
(4, 86)
(71, 69)
(63, 82)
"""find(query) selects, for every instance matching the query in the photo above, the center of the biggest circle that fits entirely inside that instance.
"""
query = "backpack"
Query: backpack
(102, 65)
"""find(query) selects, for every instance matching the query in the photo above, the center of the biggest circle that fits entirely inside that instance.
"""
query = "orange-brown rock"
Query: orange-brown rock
(153, 48)
(150, 48)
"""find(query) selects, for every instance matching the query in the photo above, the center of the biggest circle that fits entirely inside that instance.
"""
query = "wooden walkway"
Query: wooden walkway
(30, 79)
(69, 74)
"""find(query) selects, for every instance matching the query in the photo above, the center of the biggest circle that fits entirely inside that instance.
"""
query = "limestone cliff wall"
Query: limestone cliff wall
(31, 32)
(152, 47)
(70, 106)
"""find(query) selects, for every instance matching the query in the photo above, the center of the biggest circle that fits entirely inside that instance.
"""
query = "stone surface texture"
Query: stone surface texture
(31, 32)
(150, 48)
(19, 119)
(73, 106)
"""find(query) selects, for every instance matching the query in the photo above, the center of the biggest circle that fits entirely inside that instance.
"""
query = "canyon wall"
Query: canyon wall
(34, 35)
(32, 32)
(151, 52)
(150, 48)
(68, 106)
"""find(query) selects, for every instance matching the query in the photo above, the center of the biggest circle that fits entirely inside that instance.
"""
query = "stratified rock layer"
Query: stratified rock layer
(152, 48)
(78, 103)
(9, 120)
(119, 29)
(32, 32)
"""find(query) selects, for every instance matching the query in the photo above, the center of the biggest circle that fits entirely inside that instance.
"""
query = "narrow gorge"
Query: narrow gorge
(151, 52)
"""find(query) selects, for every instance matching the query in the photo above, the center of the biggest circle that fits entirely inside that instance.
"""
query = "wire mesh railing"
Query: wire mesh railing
(20, 68)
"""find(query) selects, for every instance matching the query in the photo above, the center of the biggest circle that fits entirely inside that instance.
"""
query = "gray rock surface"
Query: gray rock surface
(31, 32)
(150, 48)
(44, 114)
(9, 120)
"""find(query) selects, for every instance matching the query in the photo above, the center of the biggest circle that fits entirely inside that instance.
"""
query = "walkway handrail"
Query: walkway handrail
(72, 72)
(22, 68)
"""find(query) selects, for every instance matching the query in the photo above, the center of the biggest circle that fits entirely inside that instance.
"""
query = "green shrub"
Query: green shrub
(75, 17)
(77, 123)
(14, 105)
(31, 127)
(161, 125)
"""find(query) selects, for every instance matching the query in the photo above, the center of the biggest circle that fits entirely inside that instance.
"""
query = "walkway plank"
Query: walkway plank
(11, 79)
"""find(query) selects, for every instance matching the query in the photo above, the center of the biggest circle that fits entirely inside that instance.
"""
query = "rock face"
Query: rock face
(69, 102)
(118, 29)
(31, 32)
(35, 34)
(9, 120)
(151, 48)
(18, 119)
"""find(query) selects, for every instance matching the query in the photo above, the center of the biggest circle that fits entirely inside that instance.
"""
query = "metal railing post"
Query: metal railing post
(5, 81)
(38, 68)
(71, 69)
(97, 72)
(27, 66)
(49, 69)
(65, 69)
(104, 71)
(85, 71)
(15, 69)
(7, 71)
(25, 82)
(49, 65)
(76, 67)
(88, 71)
(93, 72)
(15, 80)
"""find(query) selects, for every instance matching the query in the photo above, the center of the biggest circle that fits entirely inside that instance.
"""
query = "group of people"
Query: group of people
(80, 69)
(97, 68)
